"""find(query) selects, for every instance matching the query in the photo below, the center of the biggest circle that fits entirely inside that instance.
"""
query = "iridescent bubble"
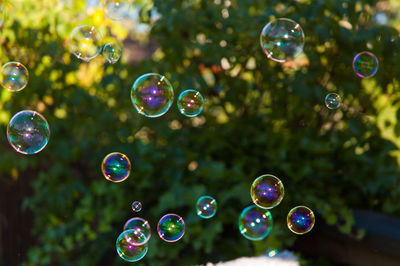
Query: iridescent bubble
(117, 9)
(300, 220)
(14, 76)
(206, 207)
(28, 132)
(365, 64)
(171, 228)
(282, 39)
(267, 191)
(140, 225)
(85, 42)
(127, 248)
(255, 223)
(116, 167)
(190, 103)
(332, 101)
(136, 206)
(271, 252)
(112, 52)
(152, 95)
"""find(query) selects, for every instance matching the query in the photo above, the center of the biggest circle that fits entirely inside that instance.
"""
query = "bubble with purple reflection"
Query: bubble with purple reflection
(267, 191)
(127, 247)
(255, 223)
(365, 64)
(300, 220)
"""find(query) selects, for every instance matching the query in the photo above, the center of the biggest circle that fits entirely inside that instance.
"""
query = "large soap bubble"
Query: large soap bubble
(14, 76)
(85, 42)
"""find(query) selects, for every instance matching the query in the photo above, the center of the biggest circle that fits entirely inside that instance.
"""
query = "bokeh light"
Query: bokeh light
(300, 220)
(365, 64)
(206, 207)
(117, 9)
(116, 167)
(85, 42)
(127, 248)
(255, 223)
(171, 228)
(267, 191)
(14, 76)
(190, 103)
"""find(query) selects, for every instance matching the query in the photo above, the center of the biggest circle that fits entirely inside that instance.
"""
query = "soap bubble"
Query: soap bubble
(117, 9)
(140, 225)
(116, 167)
(300, 220)
(171, 228)
(136, 206)
(282, 39)
(85, 42)
(152, 95)
(332, 101)
(190, 103)
(255, 223)
(365, 64)
(267, 191)
(206, 207)
(127, 248)
(14, 76)
(271, 252)
(112, 52)
(28, 132)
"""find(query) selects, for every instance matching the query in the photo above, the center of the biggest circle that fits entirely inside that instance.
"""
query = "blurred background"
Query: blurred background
(56, 208)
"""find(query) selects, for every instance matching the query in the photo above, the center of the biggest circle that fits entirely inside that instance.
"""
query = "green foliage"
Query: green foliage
(260, 117)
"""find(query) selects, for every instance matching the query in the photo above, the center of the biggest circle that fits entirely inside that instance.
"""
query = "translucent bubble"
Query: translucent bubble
(267, 191)
(365, 64)
(282, 39)
(112, 52)
(136, 206)
(300, 220)
(116, 167)
(171, 227)
(332, 101)
(28, 132)
(140, 225)
(85, 42)
(127, 248)
(14, 76)
(206, 207)
(255, 223)
(152, 95)
(117, 9)
(190, 103)
(272, 252)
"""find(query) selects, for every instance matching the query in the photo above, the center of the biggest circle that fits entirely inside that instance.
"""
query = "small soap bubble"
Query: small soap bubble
(300, 220)
(127, 247)
(267, 191)
(365, 64)
(171, 228)
(28, 132)
(282, 39)
(136, 206)
(332, 101)
(140, 225)
(152, 95)
(255, 223)
(14, 76)
(85, 42)
(117, 9)
(206, 207)
(190, 103)
(112, 52)
(272, 252)
(116, 167)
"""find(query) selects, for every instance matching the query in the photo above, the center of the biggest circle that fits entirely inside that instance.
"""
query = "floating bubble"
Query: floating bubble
(14, 76)
(332, 101)
(267, 191)
(112, 52)
(255, 223)
(171, 228)
(117, 9)
(365, 64)
(28, 132)
(282, 39)
(206, 207)
(140, 225)
(152, 95)
(85, 42)
(136, 206)
(300, 220)
(127, 248)
(272, 252)
(116, 167)
(190, 103)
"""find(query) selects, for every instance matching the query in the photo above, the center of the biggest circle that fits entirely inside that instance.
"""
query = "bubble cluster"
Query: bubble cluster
(267, 191)
(365, 64)
(255, 223)
(85, 42)
(282, 39)
(136, 206)
(332, 101)
(112, 52)
(152, 95)
(190, 103)
(171, 228)
(127, 247)
(28, 132)
(116, 167)
(140, 225)
(300, 220)
(117, 9)
(206, 207)
(14, 76)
